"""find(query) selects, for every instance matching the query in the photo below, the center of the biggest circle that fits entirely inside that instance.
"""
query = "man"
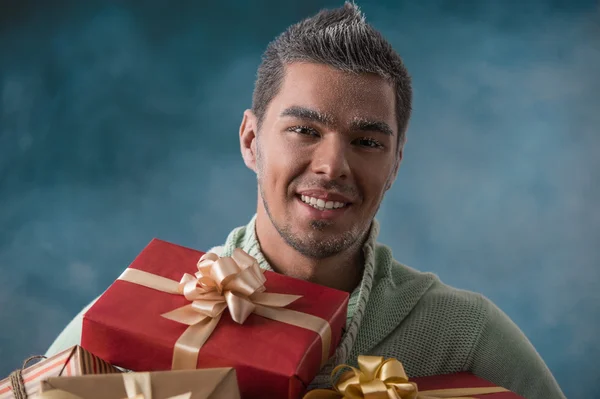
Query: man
(325, 137)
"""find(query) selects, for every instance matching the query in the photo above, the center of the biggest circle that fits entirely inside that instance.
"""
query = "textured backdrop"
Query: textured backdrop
(118, 123)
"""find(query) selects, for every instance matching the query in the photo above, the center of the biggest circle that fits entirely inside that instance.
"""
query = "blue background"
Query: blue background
(119, 123)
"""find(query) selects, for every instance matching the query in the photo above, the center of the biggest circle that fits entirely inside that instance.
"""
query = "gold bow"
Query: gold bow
(386, 379)
(137, 386)
(235, 283)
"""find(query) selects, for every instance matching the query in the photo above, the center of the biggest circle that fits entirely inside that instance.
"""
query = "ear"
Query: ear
(394, 173)
(248, 130)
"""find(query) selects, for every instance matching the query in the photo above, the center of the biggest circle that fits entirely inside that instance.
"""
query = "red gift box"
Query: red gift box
(272, 358)
(380, 377)
(459, 381)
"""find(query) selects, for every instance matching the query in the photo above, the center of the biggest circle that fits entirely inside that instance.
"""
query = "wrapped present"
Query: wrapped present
(381, 378)
(224, 312)
(448, 382)
(218, 383)
(74, 361)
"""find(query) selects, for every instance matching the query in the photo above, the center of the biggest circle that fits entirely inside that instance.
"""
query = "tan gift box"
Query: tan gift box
(217, 383)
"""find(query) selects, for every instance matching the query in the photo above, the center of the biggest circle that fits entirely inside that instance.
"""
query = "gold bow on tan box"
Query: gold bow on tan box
(377, 378)
(235, 283)
(218, 383)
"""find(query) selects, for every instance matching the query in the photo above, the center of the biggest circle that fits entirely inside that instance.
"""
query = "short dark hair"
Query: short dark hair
(339, 38)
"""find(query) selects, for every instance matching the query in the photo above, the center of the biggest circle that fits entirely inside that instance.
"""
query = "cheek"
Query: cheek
(287, 159)
(279, 165)
(372, 179)
(376, 187)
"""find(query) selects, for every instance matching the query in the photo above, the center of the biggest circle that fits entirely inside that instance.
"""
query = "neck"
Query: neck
(342, 271)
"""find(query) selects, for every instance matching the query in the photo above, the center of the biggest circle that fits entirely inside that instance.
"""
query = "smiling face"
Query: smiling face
(325, 154)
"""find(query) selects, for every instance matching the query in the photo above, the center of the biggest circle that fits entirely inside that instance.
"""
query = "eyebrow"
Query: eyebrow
(367, 125)
(308, 114)
(361, 124)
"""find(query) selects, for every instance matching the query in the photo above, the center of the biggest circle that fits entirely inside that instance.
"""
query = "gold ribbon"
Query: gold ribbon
(137, 386)
(235, 283)
(386, 379)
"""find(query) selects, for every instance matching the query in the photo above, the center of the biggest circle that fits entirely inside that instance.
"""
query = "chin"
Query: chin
(320, 225)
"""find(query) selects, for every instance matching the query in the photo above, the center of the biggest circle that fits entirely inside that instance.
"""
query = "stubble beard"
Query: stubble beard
(309, 245)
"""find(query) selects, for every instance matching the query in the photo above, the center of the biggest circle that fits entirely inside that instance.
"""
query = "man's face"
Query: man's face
(325, 155)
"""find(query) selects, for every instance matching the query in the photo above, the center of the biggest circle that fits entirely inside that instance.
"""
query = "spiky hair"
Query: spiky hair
(340, 38)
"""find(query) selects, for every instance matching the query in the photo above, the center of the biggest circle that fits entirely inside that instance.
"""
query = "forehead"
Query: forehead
(342, 95)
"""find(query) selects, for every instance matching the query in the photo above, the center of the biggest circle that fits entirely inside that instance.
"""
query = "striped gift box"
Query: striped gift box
(71, 362)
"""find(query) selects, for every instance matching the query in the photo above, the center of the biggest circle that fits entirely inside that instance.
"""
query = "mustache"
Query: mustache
(331, 185)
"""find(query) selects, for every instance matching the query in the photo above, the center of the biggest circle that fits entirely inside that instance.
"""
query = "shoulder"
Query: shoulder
(433, 307)
(437, 296)
(458, 302)
(420, 301)
(450, 330)
(453, 310)
(71, 335)
(216, 250)
(432, 326)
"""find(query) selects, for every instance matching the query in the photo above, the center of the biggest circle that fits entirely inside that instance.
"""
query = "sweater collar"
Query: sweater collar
(246, 239)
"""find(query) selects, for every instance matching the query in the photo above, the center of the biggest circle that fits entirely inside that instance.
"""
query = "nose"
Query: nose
(330, 158)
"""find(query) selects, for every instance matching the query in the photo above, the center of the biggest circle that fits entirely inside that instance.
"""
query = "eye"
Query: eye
(303, 130)
(368, 142)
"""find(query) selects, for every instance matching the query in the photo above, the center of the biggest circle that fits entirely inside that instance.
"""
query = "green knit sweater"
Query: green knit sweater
(430, 327)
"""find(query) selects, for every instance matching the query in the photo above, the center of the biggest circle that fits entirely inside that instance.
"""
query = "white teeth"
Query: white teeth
(321, 204)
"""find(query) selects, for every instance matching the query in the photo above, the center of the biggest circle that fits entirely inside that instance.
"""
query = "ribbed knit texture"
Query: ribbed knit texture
(430, 327)
(245, 238)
